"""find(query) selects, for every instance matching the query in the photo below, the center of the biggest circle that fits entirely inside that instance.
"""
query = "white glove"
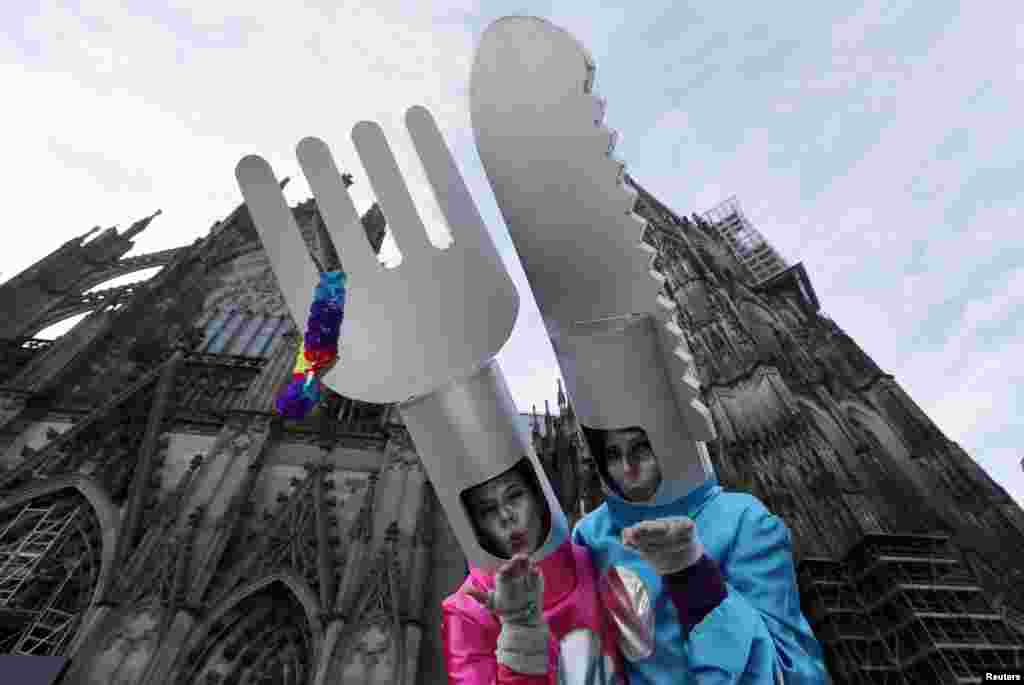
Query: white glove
(668, 544)
(517, 601)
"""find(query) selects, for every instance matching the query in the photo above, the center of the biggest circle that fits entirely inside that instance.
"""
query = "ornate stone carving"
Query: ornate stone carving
(10, 407)
(374, 644)
(127, 651)
(258, 292)
(212, 388)
(400, 450)
(240, 444)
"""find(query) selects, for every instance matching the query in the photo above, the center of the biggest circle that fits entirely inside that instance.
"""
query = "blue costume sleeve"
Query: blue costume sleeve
(695, 591)
(757, 630)
(715, 637)
(760, 570)
(731, 646)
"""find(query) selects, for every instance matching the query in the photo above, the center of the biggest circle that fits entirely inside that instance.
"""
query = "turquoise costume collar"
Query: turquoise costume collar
(628, 513)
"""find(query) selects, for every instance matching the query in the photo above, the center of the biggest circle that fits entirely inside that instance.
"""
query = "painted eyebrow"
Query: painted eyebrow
(484, 500)
(640, 437)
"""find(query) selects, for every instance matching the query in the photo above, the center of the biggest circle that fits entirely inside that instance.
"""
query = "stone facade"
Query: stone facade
(812, 426)
(181, 532)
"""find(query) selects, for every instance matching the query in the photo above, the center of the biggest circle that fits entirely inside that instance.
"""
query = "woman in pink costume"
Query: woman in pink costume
(538, 618)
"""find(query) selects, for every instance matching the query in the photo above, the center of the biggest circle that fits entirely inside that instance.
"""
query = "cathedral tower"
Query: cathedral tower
(910, 555)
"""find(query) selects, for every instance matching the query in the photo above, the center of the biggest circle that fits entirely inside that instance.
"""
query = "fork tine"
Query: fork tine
(457, 205)
(392, 193)
(335, 204)
(289, 257)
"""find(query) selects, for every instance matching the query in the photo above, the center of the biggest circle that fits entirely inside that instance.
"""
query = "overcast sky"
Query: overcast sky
(879, 143)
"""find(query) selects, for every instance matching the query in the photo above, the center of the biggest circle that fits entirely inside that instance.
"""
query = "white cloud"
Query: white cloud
(157, 112)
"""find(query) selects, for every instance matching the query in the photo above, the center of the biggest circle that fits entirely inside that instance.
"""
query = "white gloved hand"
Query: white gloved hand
(517, 601)
(668, 544)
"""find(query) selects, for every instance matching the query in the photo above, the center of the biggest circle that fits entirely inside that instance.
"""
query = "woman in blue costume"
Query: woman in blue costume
(700, 581)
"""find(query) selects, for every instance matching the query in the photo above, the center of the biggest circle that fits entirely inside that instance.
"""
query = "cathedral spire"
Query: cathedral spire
(140, 225)
(362, 528)
(549, 421)
(85, 236)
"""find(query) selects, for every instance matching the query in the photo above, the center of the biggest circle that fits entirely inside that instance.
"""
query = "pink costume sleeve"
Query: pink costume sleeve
(469, 640)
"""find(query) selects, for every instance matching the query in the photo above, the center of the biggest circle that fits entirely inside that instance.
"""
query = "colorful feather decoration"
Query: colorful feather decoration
(319, 348)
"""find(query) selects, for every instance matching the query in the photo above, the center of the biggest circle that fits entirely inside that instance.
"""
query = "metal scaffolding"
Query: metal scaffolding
(747, 244)
(51, 627)
(18, 560)
(34, 575)
(902, 609)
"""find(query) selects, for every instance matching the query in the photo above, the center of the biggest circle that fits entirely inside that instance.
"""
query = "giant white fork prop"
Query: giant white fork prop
(549, 161)
(423, 334)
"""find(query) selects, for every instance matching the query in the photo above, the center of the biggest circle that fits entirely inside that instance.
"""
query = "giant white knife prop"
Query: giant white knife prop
(548, 156)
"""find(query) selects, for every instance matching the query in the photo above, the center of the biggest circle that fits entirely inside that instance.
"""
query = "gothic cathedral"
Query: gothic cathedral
(159, 525)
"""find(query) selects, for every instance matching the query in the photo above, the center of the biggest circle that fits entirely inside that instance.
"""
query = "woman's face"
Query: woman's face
(632, 464)
(508, 512)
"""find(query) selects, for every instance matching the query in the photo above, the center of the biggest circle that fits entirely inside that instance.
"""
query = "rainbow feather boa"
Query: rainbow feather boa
(319, 348)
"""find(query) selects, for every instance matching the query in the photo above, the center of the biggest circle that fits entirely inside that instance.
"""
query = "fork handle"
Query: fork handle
(467, 433)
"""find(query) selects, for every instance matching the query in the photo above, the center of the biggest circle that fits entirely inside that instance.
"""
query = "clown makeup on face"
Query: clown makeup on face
(630, 462)
(508, 514)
